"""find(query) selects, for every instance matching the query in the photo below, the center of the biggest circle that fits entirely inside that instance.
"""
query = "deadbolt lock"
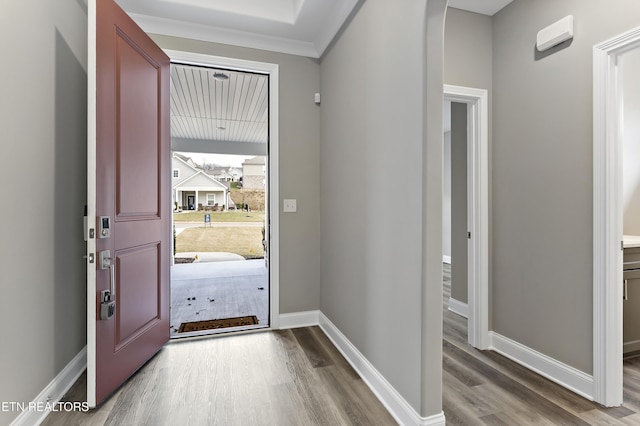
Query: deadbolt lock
(107, 306)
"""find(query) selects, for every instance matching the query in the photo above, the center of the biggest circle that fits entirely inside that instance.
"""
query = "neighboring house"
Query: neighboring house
(254, 173)
(235, 173)
(226, 174)
(193, 189)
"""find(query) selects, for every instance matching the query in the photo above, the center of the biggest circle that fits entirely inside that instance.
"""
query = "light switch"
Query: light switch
(290, 206)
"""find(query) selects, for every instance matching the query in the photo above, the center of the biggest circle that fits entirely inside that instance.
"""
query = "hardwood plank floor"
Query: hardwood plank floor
(297, 377)
(485, 388)
(286, 377)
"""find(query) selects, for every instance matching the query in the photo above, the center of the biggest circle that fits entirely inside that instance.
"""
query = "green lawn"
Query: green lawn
(230, 216)
(243, 240)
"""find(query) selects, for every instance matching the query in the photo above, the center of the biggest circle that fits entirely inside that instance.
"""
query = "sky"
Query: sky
(225, 160)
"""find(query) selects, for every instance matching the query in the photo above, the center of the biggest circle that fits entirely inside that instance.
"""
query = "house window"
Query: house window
(211, 199)
(176, 173)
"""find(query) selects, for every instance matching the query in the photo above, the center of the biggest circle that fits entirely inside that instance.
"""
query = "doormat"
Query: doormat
(186, 327)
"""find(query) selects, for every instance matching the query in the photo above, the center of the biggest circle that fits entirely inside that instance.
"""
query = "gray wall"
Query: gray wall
(468, 49)
(631, 143)
(43, 121)
(542, 192)
(299, 172)
(459, 241)
(468, 52)
(372, 122)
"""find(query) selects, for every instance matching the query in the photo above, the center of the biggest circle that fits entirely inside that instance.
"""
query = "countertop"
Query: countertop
(631, 241)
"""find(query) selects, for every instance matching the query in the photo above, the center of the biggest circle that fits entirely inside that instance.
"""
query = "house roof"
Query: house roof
(219, 170)
(201, 180)
(182, 157)
(260, 159)
(187, 160)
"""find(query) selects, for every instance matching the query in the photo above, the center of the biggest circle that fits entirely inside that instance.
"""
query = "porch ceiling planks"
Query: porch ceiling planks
(206, 108)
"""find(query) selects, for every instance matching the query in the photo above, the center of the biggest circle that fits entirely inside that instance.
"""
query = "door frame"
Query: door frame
(477, 209)
(607, 217)
(272, 201)
(90, 218)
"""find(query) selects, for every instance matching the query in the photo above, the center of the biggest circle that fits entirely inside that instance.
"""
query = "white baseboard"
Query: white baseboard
(563, 374)
(458, 307)
(446, 259)
(299, 319)
(632, 346)
(399, 408)
(54, 391)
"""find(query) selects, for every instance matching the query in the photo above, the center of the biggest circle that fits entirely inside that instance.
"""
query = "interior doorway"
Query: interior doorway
(455, 211)
(608, 241)
(610, 90)
(630, 137)
(224, 142)
(471, 110)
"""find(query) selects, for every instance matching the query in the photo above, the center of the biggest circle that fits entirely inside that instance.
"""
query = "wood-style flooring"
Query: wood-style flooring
(287, 377)
(297, 377)
(485, 388)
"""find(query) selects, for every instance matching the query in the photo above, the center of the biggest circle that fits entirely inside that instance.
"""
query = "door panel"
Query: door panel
(131, 188)
(138, 119)
(139, 302)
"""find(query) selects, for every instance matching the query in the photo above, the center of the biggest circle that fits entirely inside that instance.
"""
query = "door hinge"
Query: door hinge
(469, 235)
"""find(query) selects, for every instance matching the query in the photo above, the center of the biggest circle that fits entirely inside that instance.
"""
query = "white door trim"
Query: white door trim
(90, 219)
(272, 180)
(607, 217)
(477, 208)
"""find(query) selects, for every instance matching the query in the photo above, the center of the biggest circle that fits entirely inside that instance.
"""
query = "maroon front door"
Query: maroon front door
(131, 200)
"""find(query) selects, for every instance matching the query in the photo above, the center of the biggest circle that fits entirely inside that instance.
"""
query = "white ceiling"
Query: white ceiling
(298, 27)
(485, 7)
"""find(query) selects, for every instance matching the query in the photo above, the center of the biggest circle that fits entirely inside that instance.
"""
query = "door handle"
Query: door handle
(112, 280)
(108, 297)
(625, 295)
(106, 261)
(108, 303)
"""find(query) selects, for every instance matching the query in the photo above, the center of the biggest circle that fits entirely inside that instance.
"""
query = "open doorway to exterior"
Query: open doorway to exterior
(220, 280)
(220, 276)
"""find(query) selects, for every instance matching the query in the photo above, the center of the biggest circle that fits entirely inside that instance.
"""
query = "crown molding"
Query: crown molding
(171, 27)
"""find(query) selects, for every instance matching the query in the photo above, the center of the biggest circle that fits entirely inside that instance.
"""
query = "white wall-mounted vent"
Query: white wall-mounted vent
(555, 33)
